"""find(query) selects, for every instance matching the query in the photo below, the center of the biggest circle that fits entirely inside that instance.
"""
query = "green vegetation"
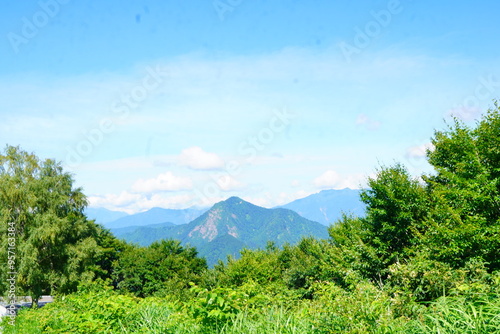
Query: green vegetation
(44, 234)
(424, 259)
(164, 268)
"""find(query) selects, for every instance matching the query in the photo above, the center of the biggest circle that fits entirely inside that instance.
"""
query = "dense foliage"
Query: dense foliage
(424, 259)
(164, 268)
(44, 235)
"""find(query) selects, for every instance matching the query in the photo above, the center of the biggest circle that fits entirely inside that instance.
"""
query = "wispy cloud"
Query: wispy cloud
(229, 183)
(330, 179)
(164, 182)
(419, 151)
(196, 158)
(366, 121)
(133, 203)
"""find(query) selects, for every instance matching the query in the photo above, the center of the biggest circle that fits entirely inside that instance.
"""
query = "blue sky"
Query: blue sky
(170, 104)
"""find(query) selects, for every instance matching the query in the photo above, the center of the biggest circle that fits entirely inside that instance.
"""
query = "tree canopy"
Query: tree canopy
(165, 267)
(447, 219)
(52, 243)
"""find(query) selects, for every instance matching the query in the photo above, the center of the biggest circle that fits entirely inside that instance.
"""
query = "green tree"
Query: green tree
(466, 190)
(43, 225)
(164, 267)
(108, 253)
(259, 265)
(352, 255)
(397, 205)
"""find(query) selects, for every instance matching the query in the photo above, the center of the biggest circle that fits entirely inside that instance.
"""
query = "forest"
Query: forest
(423, 259)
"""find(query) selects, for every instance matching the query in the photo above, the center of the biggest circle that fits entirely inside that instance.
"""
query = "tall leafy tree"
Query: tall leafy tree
(466, 188)
(397, 204)
(164, 267)
(108, 254)
(352, 250)
(42, 223)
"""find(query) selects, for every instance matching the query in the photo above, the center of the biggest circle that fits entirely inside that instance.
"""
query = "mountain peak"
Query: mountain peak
(235, 203)
(234, 200)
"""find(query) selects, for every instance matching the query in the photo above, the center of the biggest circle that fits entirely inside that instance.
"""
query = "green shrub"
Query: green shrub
(216, 307)
(94, 309)
(365, 309)
(422, 279)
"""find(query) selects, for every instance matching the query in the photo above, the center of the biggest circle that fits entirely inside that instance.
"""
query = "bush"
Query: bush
(365, 309)
(95, 309)
(422, 279)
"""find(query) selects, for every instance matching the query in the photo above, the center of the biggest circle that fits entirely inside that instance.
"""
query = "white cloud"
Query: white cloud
(163, 182)
(328, 179)
(180, 201)
(333, 180)
(418, 151)
(271, 200)
(207, 201)
(196, 158)
(114, 201)
(228, 183)
(368, 122)
(133, 203)
(354, 181)
(287, 197)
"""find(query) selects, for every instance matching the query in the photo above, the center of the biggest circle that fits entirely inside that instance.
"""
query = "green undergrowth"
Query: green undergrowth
(365, 308)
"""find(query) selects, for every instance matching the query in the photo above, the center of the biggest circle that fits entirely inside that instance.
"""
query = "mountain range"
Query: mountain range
(228, 227)
(234, 224)
(325, 207)
(104, 216)
(157, 216)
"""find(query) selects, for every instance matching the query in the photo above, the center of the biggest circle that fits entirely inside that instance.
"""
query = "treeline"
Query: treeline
(424, 259)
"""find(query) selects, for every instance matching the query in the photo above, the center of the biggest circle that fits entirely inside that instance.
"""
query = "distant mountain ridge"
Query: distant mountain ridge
(327, 206)
(104, 216)
(157, 216)
(228, 227)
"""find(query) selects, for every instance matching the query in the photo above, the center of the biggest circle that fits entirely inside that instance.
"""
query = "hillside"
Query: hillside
(327, 206)
(143, 235)
(230, 226)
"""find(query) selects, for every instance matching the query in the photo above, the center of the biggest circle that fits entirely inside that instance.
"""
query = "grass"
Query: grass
(461, 314)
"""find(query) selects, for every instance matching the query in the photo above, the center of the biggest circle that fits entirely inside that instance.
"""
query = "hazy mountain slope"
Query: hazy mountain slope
(327, 206)
(157, 216)
(143, 235)
(104, 216)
